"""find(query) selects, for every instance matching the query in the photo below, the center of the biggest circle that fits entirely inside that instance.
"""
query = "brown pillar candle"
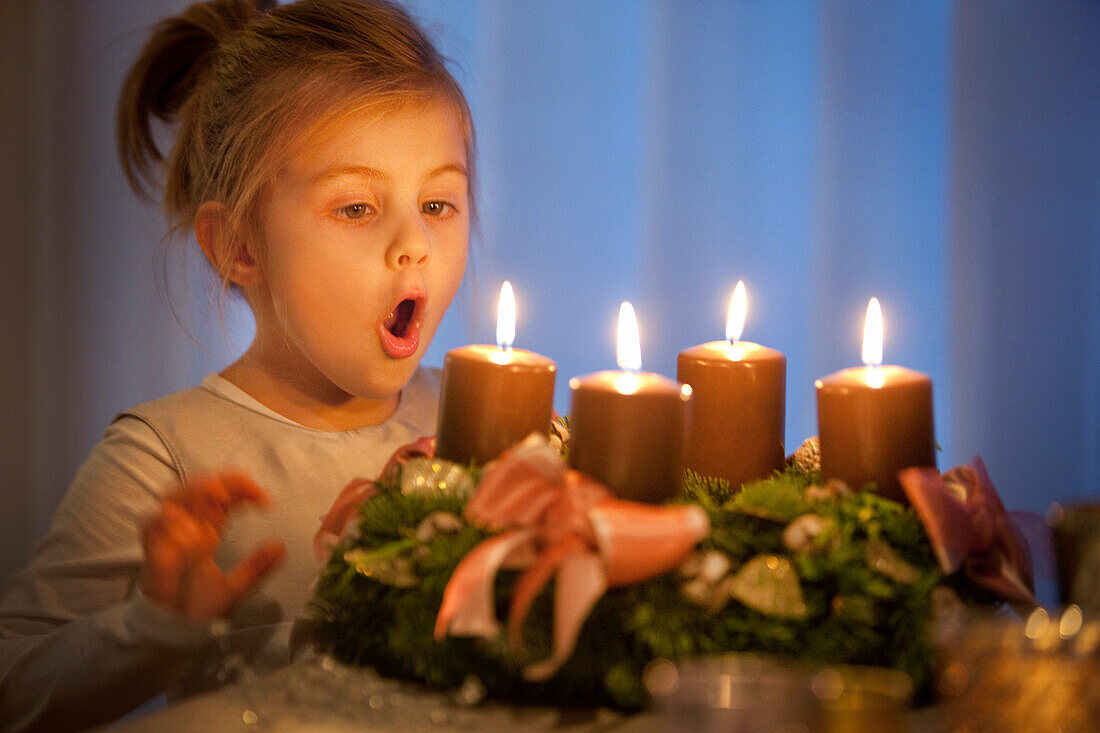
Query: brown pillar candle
(627, 428)
(737, 411)
(738, 403)
(874, 420)
(492, 397)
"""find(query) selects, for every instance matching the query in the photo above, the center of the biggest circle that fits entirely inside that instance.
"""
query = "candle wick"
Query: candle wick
(875, 377)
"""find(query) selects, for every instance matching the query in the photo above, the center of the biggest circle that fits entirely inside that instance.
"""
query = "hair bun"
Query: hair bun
(172, 63)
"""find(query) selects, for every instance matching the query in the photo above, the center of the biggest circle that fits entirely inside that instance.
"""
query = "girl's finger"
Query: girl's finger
(206, 501)
(241, 579)
(241, 487)
(194, 535)
(211, 495)
(206, 497)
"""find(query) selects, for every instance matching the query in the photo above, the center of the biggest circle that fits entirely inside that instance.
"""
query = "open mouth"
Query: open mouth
(400, 318)
(400, 329)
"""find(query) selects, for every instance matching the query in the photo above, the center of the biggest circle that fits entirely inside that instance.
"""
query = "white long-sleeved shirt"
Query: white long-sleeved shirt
(79, 645)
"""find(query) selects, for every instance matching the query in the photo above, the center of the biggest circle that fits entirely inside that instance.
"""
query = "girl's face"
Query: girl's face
(365, 233)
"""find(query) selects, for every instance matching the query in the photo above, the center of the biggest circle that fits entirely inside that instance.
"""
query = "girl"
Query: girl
(323, 158)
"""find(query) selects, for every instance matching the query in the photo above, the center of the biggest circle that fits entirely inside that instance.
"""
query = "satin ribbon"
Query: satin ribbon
(968, 527)
(557, 523)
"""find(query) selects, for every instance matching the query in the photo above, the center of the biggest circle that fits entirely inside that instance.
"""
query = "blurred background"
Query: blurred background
(942, 156)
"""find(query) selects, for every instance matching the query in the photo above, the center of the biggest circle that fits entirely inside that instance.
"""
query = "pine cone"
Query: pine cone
(808, 455)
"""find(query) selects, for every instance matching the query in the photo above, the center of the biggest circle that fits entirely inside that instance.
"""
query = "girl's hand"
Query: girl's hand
(179, 571)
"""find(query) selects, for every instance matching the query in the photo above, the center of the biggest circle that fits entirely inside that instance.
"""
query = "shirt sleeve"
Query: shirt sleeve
(79, 645)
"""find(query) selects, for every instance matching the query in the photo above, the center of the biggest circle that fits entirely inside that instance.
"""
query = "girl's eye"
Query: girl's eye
(435, 208)
(354, 211)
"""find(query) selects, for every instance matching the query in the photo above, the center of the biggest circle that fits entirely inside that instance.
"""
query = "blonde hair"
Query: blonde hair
(247, 80)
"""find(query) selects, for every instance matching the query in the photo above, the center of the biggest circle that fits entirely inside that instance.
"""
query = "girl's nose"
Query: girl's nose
(410, 246)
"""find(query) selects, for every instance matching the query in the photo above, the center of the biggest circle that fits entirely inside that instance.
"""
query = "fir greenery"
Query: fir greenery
(853, 610)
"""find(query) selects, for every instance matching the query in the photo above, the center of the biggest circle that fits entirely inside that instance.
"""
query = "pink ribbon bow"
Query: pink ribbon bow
(339, 518)
(557, 523)
(968, 527)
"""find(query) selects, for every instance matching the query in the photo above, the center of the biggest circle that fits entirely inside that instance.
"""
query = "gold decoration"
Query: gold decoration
(769, 584)
(882, 558)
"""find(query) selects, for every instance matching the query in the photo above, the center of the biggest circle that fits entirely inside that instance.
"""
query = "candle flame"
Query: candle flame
(506, 316)
(872, 334)
(629, 348)
(735, 320)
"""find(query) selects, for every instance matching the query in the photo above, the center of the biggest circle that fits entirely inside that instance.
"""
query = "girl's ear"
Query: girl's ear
(227, 252)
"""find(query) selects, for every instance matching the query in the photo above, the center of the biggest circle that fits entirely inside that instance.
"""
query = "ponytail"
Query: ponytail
(172, 63)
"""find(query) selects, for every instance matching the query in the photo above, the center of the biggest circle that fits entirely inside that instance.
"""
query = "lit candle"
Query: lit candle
(492, 397)
(738, 403)
(627, 428)
(874, 420)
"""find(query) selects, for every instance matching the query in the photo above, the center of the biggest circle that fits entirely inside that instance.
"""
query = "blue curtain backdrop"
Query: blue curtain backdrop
(943, 156)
